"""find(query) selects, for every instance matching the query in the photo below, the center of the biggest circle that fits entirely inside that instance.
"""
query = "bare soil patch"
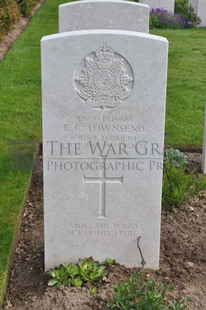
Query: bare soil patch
(182, 261)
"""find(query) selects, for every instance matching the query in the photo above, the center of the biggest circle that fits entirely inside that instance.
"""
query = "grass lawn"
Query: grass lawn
(186, 92)
(20, 119)
(20, 106)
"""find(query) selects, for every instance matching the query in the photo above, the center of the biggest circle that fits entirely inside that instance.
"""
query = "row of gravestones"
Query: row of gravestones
(103, 95)
(69, 17)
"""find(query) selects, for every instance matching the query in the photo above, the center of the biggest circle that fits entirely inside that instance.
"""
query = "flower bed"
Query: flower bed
(11, 11)
(184, 17)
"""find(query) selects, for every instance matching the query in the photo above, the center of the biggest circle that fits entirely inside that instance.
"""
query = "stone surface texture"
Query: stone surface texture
(104, 14)
(200, 9)
(168, 5)
(103, 97)
(201, 12)
(194, 4)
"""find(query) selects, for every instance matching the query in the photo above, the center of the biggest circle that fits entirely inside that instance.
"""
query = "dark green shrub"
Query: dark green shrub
(183, 8)
(26, 6)
(11, 11)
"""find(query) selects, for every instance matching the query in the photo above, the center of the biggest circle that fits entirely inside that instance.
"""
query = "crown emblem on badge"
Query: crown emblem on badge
(104, 54)
(104, 79)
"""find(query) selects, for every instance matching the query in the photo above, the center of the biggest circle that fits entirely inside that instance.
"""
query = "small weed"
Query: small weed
(65, 275)
(109, 262)
(93, 291)
(140, 293)
(175, 158)
(179, 185)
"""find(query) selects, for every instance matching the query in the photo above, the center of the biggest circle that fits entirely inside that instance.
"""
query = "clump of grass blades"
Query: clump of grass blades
(179, 184)
(141, 293)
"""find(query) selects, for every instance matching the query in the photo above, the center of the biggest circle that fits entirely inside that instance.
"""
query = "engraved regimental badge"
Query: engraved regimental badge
(104, 79)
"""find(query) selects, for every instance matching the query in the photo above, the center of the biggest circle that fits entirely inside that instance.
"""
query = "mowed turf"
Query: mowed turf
(186, 91)
(20, 120)
(20, 107)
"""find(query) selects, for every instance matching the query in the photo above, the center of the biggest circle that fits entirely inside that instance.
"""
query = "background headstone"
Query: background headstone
(152, 3)
(103, 14)
(194, 4)
(104, 97)
(168, 5)
(200, 9)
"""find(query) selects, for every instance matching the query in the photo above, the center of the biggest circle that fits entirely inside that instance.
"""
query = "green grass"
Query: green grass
(20, 119)
(20, 106)
(186, 92)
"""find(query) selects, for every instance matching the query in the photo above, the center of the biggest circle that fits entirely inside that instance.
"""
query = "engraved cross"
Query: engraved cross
(102, 181)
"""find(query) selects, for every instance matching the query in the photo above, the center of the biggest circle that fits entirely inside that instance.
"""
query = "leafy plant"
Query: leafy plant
(93, 290)
(59, 277)
(77, 274)
(109, 262)
(65, 275)
(89, 270)
(175, 158)
(183, 8)
(179, 185)
(192, 19)
(140, 293)
(26, 6)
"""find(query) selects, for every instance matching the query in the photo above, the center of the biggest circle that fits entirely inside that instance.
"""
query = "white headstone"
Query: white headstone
(201, 11)
(103, 130)
(103, 14)
(194, 4)
(152, 3)
(168, 5)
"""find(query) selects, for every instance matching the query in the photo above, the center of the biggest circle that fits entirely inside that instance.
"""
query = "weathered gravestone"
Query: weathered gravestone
(152, 3)
(168, 5)
(202, 12)
(194, 4)
(200, 9)
(103, 130)
(104, 14)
